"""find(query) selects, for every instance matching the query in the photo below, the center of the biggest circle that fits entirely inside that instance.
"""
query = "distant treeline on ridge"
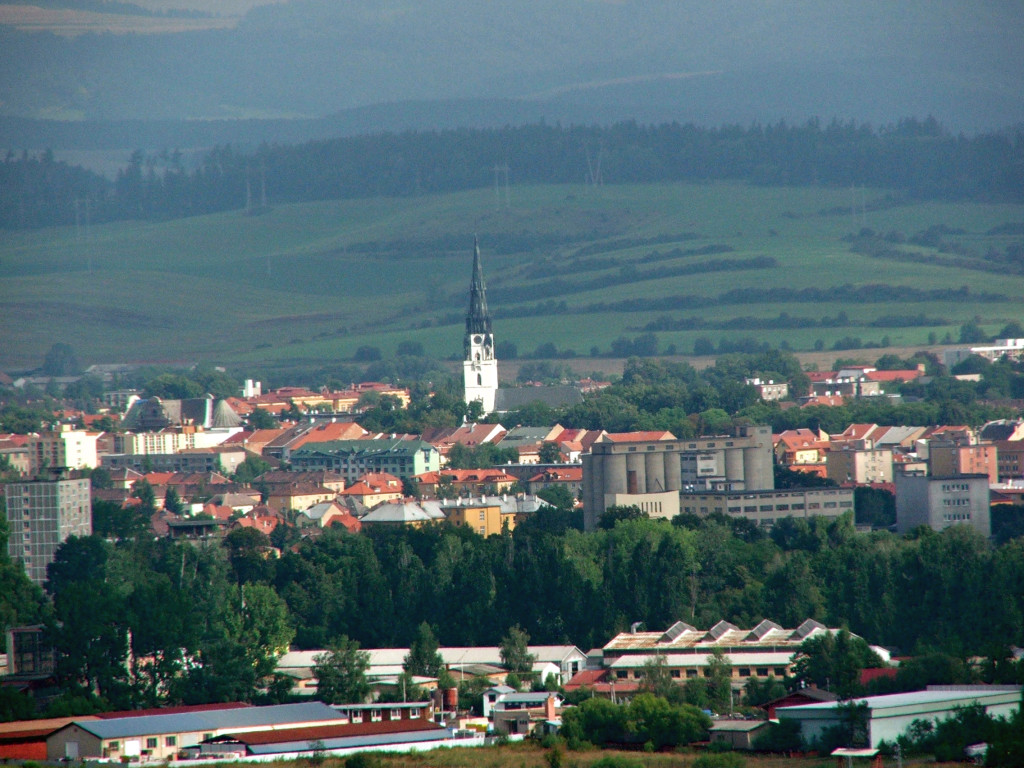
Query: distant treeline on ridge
(916, 158)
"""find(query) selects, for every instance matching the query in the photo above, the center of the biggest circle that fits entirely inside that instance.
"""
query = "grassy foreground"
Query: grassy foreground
(529, 754)
(310, 283)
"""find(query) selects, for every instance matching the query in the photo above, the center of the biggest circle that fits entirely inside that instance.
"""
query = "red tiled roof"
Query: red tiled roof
(867, 675)
(347, 520)
(326, 433)
(567, 475)
(362, 489)
(828, 400)
(217, 512)
(324, 732)
(381, 480)
(800, 438)
(821, 375)
(17, 730)
(265, 523)
(893, 375)
(601, 681)
(239, 406)
(856, 432)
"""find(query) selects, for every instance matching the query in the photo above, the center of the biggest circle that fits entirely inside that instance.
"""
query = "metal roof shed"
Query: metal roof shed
(889, 716)
(163, 736)
(339, 738)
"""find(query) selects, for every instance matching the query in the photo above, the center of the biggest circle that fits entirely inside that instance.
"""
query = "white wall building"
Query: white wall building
(890, 716)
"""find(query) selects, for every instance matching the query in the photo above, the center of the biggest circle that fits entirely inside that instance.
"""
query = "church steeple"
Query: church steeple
(480, 368)
(478, 320)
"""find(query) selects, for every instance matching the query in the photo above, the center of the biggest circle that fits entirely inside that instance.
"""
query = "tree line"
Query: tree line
(916, 158)
(139, 622)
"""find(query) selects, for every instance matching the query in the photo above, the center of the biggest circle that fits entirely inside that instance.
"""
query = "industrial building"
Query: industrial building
(654, 474)
(888, 717)
(163, 736)
(765, 651)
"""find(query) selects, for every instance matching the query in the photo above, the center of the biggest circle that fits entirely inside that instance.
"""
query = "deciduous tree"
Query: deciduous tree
(341, 673)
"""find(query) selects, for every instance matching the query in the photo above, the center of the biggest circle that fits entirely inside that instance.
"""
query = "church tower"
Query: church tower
(480, 370)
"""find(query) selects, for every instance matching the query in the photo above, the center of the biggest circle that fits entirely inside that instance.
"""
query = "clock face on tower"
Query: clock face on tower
(478, 339)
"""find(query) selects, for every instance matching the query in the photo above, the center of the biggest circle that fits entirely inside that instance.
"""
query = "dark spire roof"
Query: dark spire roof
(478, 320)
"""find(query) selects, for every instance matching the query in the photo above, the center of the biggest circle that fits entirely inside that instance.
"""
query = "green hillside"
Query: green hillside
(312, 283)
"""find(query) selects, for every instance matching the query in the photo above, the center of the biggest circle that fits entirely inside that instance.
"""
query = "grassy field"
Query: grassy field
(305, 284)
(531, 755)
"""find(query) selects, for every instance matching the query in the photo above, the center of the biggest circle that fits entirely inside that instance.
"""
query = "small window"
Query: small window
(762, 671)
(375, 715)
(151, 742)
(675, 673)
(744, 671)
(691, 673)
(170, 741)
(114, 745)
(622, 673)
(414, 713)
(396, 714)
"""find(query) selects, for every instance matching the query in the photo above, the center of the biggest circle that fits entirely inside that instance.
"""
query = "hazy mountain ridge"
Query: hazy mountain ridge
(666, 60)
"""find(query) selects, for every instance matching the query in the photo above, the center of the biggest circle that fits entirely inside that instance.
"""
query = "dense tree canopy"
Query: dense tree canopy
(916, 157)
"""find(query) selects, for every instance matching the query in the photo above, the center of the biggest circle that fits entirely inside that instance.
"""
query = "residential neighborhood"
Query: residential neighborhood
(308, 531)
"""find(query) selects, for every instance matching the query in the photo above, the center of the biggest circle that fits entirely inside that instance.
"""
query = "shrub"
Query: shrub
(616, 761)
(363, 760)
(720, 760)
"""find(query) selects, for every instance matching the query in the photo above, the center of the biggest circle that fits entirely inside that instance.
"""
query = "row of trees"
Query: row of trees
(918, 158)
(142, 621)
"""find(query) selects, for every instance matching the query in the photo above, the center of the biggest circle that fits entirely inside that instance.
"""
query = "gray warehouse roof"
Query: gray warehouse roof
(211, 720)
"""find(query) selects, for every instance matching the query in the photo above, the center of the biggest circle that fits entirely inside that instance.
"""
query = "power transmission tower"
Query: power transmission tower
(500, 185)
(84, 242)
(248, 190)
(263, 185)
(594, 177)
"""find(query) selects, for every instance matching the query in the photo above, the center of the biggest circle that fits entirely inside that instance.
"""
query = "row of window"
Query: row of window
(750, 508)
(376, 714)
(780, 672)
(951, 487)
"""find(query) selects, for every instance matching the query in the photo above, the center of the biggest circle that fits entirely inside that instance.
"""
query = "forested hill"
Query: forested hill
(918, 159)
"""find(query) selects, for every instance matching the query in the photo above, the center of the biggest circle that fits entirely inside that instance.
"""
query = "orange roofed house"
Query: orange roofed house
(465, 481)
(374, 488)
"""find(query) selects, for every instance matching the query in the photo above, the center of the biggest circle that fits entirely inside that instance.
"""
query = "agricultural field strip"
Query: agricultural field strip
(227, 253)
